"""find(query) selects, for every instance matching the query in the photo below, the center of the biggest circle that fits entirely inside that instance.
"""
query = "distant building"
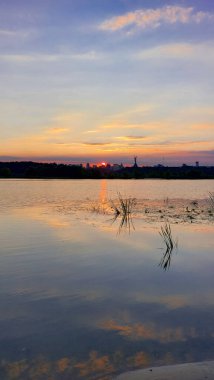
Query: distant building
(116, 167)
(159, 166)
(87, 166)
(197, 164)
(135, 163)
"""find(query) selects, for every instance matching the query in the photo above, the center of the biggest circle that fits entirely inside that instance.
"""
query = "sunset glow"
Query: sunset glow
(91, 81)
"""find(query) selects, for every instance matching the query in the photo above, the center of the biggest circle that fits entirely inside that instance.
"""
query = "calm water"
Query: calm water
(81, 301)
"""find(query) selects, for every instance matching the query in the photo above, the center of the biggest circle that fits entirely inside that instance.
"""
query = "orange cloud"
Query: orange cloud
(127, 138)
(153, 18)
(65, 136)
(57, 130)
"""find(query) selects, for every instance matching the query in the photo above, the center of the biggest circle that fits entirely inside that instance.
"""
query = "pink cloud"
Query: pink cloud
(153, 18)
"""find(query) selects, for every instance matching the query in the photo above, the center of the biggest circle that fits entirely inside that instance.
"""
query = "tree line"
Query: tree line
(30, 169)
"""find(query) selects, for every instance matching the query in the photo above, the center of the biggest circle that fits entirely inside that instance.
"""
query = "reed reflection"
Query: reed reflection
(123, 210)
(170, 245)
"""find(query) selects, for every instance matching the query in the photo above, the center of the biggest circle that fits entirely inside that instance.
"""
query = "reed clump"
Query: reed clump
(124, 208)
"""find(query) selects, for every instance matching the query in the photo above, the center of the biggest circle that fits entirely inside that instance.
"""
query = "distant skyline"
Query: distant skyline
(107, 80)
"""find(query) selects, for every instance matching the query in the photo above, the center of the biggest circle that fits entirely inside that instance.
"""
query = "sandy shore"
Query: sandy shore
(189, 371)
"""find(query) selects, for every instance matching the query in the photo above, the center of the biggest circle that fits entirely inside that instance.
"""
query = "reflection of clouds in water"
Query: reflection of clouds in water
(96, 365)
(97, 279)
(139, 331)
(64, 226)
(43, 215)
(175, 301)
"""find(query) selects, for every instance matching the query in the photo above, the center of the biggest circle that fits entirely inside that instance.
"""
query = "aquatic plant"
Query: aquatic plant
(124, 208)
(170, 245)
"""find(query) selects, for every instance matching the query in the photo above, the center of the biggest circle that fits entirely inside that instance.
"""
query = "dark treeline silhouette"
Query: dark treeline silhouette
(29, 169)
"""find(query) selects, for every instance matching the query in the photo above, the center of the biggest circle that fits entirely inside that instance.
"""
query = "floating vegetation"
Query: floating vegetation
(170, 245)
(194, 203)
(99, 208)
(178, 210)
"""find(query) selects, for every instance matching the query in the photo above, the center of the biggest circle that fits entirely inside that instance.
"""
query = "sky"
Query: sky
(107, 80)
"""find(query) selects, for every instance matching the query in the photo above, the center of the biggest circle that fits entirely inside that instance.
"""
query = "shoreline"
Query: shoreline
(188, 371)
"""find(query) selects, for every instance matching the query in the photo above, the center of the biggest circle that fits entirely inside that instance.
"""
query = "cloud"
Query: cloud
(97, 143)
(154, 18)
(57, 131)
(7, 33)
(37, 58)
(131, 137)
(67, 118)
(87, 56)
(199, 52)
(91, 131)
(28, 58)
(167, 51)
(140, 331)
(14, 35)
(120, 125)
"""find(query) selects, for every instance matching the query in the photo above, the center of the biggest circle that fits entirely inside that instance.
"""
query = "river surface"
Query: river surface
(85, 296)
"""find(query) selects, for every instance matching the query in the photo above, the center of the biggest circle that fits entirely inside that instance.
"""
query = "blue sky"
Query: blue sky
(106, 80)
